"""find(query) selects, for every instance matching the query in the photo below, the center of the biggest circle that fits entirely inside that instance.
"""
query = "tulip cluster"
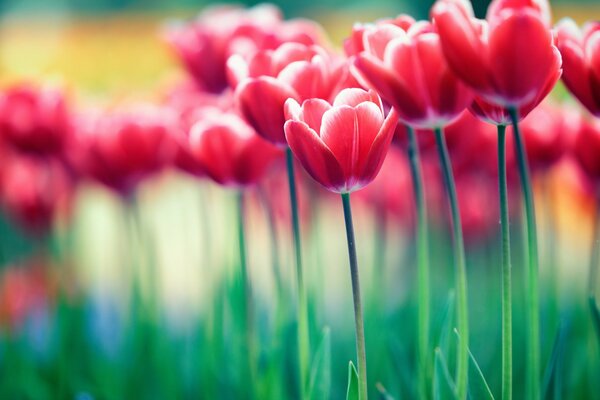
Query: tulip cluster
(425, 115)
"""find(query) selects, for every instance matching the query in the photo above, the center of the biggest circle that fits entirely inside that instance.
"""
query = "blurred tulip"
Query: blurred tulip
(343, 145)
(230, 151)
(587, 149)
(34, 120)
(407, 68)
(204, 44)
(33, 191)
(265, 81)
(121, 148)
(580, 51)
(509, 59)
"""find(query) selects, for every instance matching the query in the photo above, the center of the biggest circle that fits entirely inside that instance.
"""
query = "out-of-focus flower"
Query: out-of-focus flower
(33, 191)
(408, 69)
(229, 150)
(25, 290)
(475, 190)
(341, 145)
(34, 120)
(122, 147)
(548, 134)
(390, 193)
(204, 44)
(265, 81)
(500, 115)
(587, 149)
(509, 59)
(580, 50)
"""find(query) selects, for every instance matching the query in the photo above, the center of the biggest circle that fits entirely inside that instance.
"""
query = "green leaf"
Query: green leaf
(447, 324)
(552, 376)
(443, 385)
(478, 386)
(353, 393)
(320, 374)
(383, 394)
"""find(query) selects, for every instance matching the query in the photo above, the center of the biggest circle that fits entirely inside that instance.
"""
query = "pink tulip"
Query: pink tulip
(580, 50)
(509, 59)
(204, 45)
(341, 145)
(229, 150)
(587, 148)
(265, 81)
(34, 120)
(407, 68)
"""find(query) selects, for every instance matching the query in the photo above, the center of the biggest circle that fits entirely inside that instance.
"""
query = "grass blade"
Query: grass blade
(320, 374)
(353, 392)
(478, 386)
(443, 385)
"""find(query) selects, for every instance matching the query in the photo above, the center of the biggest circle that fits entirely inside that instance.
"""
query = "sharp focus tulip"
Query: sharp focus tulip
(580, 50)
(341, 145)
(121, 148)
(265, 81)
(34, 120)
(230, 151)
(407, 68)
(509, 59)
(204, 45)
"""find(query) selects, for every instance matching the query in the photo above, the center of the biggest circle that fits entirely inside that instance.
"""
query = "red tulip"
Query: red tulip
(355, 44)
(34, 120)
(587, 149)
(230, 151)
(548, 132)
(580, 50)
(407, 68)
(509, 59)
(121, 148)
(265, 81)
(33, 191)
(205, 44)
(341, 145)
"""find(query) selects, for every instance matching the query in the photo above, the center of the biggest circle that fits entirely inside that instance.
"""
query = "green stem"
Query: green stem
(422, 263)
(531, 255)
(593, 273)
(302, 307)
(506, 269)
(358, 313)
(462, 357)
(248, 324)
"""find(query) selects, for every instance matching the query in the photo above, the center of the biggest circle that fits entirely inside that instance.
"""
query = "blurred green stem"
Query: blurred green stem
(302, 308)
(531, 256)
(358, 312)
(593, 273)
(462, 356)
(506, 268)
(422, 262)
(246, 295)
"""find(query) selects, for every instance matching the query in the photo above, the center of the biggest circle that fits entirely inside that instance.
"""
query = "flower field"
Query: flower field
(228, 204)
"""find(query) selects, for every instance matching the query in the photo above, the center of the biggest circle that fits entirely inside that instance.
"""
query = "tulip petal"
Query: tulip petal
(379, 148)
(312, 113)
(339, 132)
(377, 38)
(261, 102)
(306, 78)
(523, 54)
(354, 96)
(369, 121)
(316, 158)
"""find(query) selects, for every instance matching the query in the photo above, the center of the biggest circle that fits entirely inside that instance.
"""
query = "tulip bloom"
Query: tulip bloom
(229, 150)
(33, 191)
(580, 51)
(587, 148)
(341, 145)
(34, 120)
(265, 81)
(509, 59)
(204, 45)
(407, 68)
(121, 148)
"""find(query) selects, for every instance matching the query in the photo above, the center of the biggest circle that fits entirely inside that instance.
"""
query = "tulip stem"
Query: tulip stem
(358, 312)
(593, 273)
(462, 356)
(506, 269)
(302, 307)
(422, 262)
(531, 256)
(248, 324)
